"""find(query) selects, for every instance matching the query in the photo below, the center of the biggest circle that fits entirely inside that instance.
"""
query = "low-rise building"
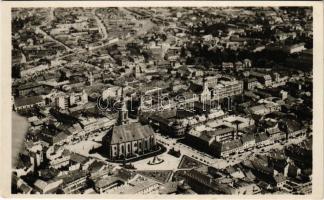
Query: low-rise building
(264, 79)
(228, 148)
(245, 188)
(47, 187)
(262, 139)
(250, 83)
(146, 186)
(295, 48)
(103, 185)
(248, 141)
(73, 182)
(25, 103)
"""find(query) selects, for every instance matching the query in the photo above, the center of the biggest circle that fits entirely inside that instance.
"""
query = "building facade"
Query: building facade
(67, 100)
(128, 140)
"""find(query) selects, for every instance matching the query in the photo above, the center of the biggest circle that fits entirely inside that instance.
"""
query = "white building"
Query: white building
(64, 100)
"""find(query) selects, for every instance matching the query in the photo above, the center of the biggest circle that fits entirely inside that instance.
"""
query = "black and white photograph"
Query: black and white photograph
(162, 100)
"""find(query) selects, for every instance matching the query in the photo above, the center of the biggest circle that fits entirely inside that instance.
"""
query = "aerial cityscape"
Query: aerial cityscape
(162, 100)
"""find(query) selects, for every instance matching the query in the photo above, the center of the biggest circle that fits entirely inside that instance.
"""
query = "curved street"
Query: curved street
(101, 26)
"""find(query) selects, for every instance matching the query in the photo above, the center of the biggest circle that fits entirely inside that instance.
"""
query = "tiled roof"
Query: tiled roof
(247, 138)
(125, 174)
(40, 184)
(261, 137)
(25, 188)
(28, 101)
(60, 137)
(223, 130)
(96, 165)
(231, 145)
(139, 186)
(273, 130)
(27, 86)
(293, 125)
(196, 88)
(107, 181)
(78, 158)
(168, 114)
(253, 79)
(260, 167)
(73, 176)
(168, 188)
(207, 136)
(258, 108)
(129, 132)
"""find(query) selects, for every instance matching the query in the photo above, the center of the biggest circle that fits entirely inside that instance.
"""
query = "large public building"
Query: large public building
(128, 140)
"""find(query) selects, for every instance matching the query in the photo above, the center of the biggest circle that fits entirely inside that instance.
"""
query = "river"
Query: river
(19, 130)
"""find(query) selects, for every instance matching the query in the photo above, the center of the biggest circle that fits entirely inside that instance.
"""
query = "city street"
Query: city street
(101, 26)
(39, 30)
(216, 162)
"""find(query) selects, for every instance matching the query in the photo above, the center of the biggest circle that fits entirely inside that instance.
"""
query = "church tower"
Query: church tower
(140, 107)
(90, 79)
(138, 71)
(122, 112)
(205, 94)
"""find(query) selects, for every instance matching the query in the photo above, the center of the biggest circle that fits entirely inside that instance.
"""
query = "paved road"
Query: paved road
(220, 163)
(52, 15)
(39, 30)
(191, 152)
(101, 26)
